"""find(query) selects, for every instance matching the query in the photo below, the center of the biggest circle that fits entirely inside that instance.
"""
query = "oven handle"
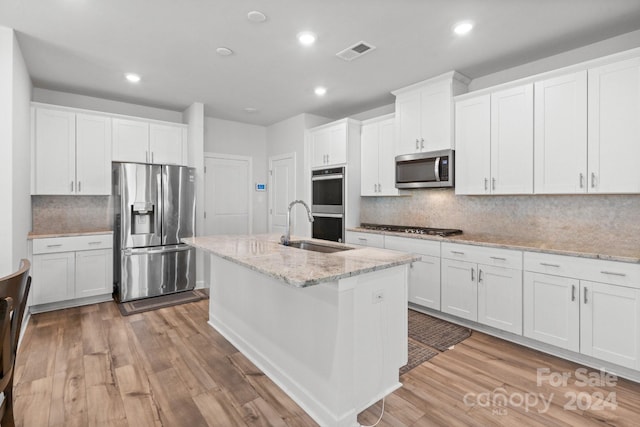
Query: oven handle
(327, 215)
(436, 168)
(326, 177)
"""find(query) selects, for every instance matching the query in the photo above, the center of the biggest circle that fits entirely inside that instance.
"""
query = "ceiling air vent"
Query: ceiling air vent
(355, 51)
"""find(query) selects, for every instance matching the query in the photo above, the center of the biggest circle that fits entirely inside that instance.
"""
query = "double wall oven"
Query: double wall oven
(327, 204)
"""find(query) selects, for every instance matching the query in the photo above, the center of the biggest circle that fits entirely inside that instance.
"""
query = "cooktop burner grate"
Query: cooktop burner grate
(413, 229)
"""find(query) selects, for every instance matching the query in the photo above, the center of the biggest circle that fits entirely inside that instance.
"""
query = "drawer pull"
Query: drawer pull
(364, 239)
(550, 265)
(457, 252)
(55, 246)
(498, 258)
(95, 243)
(613, 273)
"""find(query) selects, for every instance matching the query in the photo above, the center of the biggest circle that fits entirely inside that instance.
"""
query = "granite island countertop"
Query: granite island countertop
(614, 248)
(298, 267)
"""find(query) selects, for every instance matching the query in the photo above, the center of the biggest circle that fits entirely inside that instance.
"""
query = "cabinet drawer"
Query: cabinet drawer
(483, 255)
(416, 246)
(604, 271)
(365, 239)
(74, 243)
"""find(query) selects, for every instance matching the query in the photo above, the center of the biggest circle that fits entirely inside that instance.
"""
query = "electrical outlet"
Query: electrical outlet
(378, 297)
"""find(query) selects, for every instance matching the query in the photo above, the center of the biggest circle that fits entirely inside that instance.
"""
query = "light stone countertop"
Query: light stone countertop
(614, 249)
(298, 267)
(33, 235)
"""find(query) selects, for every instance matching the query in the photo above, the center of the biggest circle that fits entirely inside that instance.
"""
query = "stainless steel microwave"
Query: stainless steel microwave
(425, 170)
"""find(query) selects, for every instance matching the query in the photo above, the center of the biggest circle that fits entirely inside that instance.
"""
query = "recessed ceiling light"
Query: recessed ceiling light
(256, 16)
(133, 78)
(250, 110)
(306, 38)
(224, 51)
(462, 28)
(320, 91)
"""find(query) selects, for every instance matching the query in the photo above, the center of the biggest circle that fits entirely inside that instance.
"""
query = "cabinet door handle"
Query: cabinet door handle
(550, 265)
(585, 296)
(79, 186)
(573, 292)
(613, 273)
(473, 279)
(457, 252)
(379, 188)
(581, 180)
(152, 157)
(593, 180)
(417, 144)
(479, 275)
(493, 183)
(486, 184)
(54, 246)
(72, 186)
(421, 142)
(498, 258)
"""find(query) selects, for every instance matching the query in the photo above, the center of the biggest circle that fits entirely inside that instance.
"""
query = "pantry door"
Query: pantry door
(282, 190)
(227, 199)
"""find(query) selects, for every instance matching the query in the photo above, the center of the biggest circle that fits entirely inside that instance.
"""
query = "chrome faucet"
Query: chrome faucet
(287, 232)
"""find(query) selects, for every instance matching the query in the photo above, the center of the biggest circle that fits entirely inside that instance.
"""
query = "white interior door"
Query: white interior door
(282, 174)
(227, 194)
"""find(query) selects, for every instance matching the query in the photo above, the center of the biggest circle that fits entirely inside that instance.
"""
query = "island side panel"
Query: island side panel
(321, 344)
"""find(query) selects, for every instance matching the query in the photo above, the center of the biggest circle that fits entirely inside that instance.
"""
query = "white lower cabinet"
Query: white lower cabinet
(424, 274)
(68, 268)
(483, 285)
(597, 319)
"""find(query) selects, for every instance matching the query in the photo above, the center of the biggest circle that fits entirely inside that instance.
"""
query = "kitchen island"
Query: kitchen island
(329, 328)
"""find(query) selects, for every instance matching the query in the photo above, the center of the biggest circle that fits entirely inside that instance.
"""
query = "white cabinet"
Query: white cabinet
(377, 166)
(560, 145)
(473, 145)
(512, 141)
(67, 268)
(494, 141)
(364, 239)
(329, 143)
(148, 142)
(424, 113)
(614, 127)
(71, 153)
(424, 274)
(565, 306)
(483, 285)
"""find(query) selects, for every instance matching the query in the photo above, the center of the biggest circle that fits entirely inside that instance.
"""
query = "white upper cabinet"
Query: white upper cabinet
(71, 153)
(148, 142)
(377, 158)
(473, 145)
(614, 127)
(560, 145)
(494, 142)
(512, 141)
(424, 113)
(328, 143)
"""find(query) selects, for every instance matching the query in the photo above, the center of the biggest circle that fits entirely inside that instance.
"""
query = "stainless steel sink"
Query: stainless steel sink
(316, 247)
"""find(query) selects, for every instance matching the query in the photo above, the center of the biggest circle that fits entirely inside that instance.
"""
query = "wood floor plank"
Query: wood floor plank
(90, 366)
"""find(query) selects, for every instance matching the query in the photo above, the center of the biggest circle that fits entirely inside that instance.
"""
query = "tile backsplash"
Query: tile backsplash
(70, 214)
(562, 218)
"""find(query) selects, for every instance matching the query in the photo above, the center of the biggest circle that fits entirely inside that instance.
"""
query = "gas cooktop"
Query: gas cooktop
(412, 229)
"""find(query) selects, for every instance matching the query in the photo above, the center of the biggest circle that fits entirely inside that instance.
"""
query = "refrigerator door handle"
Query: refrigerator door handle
(156, 250)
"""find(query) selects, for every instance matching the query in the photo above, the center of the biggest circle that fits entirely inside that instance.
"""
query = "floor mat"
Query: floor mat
(148, 304)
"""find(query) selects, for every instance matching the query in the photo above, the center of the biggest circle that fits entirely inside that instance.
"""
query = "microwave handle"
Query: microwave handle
(436, 168)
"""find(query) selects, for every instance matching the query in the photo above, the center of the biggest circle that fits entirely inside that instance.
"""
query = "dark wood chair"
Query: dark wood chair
(14, 290)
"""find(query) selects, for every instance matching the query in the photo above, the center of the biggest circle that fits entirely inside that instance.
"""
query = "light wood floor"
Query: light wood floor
(89, 366)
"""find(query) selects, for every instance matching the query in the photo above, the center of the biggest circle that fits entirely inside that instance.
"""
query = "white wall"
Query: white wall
(288, 136)
(15, 95)
(241, 139)
(104, 105)
(593, 51)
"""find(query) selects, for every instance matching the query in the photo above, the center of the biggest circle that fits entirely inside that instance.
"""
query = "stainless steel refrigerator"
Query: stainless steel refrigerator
(154, 207)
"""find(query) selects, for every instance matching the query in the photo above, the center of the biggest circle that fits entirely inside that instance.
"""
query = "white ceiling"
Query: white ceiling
(85, 46)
